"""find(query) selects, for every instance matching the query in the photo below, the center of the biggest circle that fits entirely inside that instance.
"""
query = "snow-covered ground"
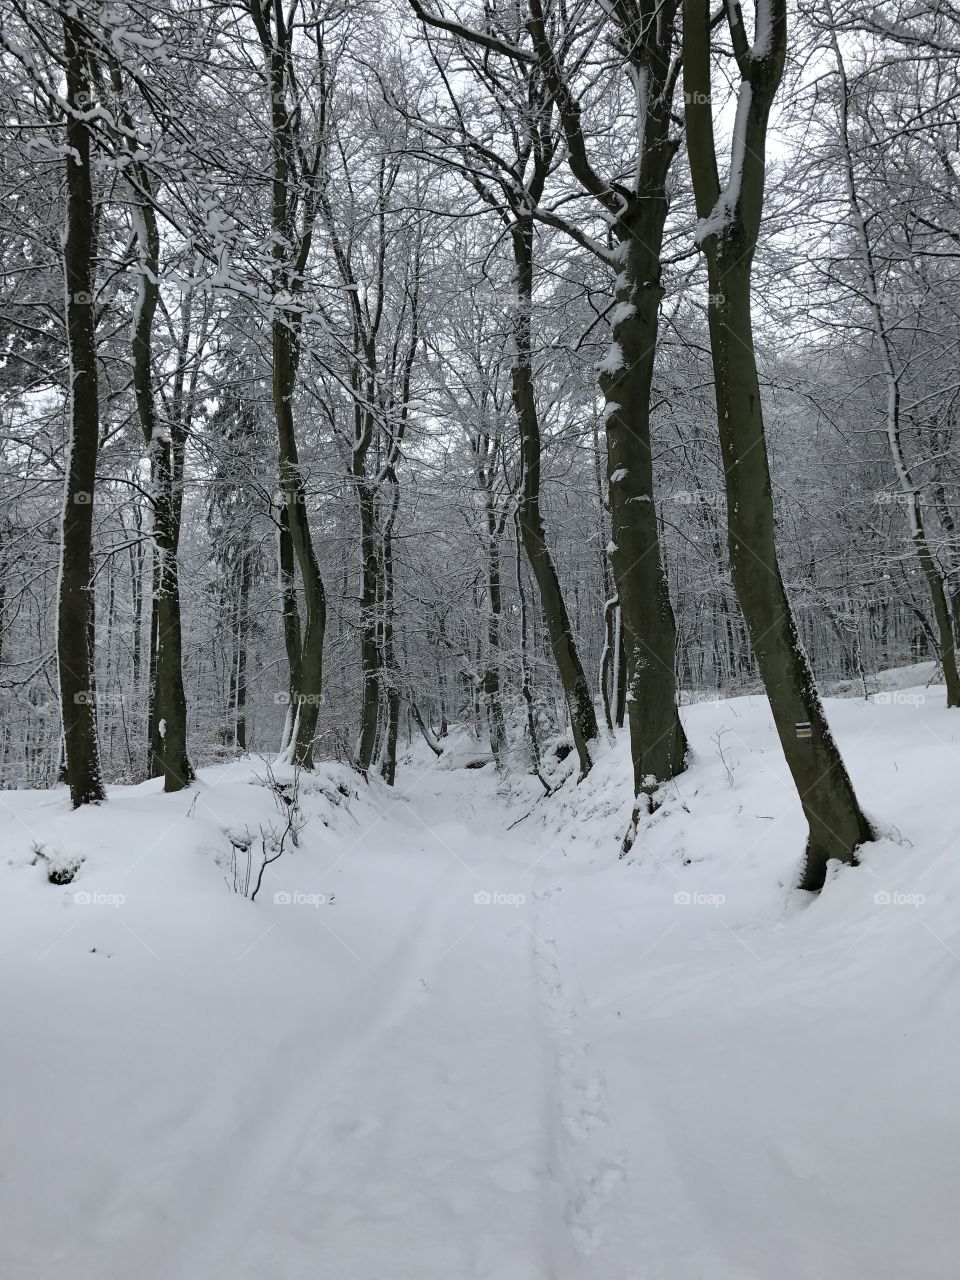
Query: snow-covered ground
(455, 1037)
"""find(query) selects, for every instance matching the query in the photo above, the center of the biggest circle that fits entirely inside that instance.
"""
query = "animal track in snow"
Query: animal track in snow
(581, 1094)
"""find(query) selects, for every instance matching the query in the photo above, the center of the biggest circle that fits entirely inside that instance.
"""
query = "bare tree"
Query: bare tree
(295, 191)
(729, 225)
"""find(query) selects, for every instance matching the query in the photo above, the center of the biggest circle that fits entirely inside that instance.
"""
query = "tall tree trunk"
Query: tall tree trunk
(169, 732)
(3, 604)
(730, 221)
(370, 654)
(952, 585)
(658, 744)
(576, 687)
(526, 692)
(491, 674)
(608, 595)
(286, 574)
(310, 673)
(293, 197)
(169, 743)
(657, 741)
(154, 745)
(136, 587)
(74, 650)
(388, 762)
(240, 676)
(645, 35)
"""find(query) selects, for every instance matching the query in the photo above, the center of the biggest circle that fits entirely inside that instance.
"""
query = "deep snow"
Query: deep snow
(456, 1037)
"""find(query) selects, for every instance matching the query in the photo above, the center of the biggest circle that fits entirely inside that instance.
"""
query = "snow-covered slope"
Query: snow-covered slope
(455, 1036)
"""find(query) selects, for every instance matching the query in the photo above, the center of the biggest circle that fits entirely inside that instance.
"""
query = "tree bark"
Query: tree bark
(369, 648)
(491, 675)
(286, 571)
(620, 706)
(576, 687)
(240, 641)
(526, 692)
(391, 697)
(168, 731)
(487, 454)
(310, 673)
(658, 743)
(74, 650)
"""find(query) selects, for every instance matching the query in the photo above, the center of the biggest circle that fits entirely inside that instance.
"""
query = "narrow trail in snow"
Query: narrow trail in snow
(591, 1173)
(431, 1079)
(287, 1108)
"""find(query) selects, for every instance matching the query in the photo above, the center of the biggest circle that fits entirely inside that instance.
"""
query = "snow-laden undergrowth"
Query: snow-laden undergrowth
(457, 1036)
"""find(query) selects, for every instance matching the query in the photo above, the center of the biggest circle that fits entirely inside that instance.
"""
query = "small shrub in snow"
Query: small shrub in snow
(61, 867)
(251, 852)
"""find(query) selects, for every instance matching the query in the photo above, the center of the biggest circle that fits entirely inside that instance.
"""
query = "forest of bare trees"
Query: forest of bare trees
(540, 367)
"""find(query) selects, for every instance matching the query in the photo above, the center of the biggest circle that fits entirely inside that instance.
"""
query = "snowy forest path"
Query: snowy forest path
(424, 1124)
(455, 1037)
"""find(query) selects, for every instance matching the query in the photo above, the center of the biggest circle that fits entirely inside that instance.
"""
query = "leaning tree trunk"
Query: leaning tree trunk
(74, 649)
(837, 825)
(424, 728)
(576, 687)
(730, 221)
